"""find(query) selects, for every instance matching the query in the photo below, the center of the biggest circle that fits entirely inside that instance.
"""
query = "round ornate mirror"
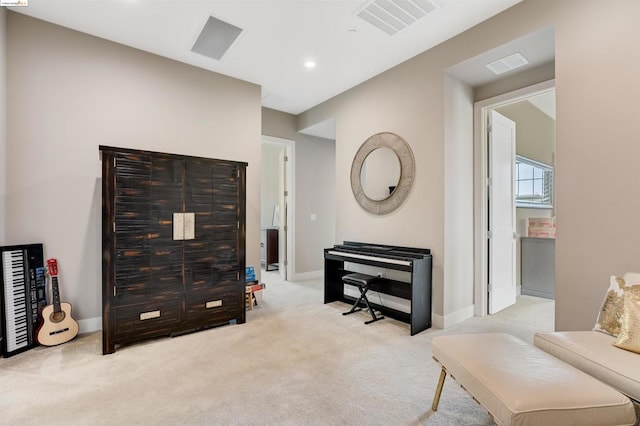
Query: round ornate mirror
(382, 173)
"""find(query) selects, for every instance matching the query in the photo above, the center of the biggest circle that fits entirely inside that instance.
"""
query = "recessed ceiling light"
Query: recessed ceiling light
(507, 63)
(310, 64)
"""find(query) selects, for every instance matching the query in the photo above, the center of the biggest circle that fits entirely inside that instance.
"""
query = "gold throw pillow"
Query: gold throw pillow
(610, 315)
(629, 337)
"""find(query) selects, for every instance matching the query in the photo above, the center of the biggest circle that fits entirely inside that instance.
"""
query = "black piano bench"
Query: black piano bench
(362, 281)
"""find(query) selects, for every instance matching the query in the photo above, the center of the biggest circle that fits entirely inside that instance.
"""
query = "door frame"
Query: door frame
(290, 150)
(480, 164)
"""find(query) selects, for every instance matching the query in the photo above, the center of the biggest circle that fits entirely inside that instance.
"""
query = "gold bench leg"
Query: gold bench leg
(436, 398)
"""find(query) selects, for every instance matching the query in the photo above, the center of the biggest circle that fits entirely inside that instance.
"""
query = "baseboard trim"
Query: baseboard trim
(90, 325)
(442, 322)
(311, 275)
(437, 321)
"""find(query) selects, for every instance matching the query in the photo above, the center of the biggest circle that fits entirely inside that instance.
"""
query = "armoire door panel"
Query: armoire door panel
(132, 223)
(204, 224)
(210, 278)
(166, 266)
(166, 199)
(198, 262)
(225, 232)
(167, 171)
(224, 275)
(132, 271)
(132, 178)
(228, 209)
(163, 207)
(226, 198)
(224, 204)
(206, 265)
(198, 168)
(225, 172)
(198, 186)
(132, 214)
(223, 252)
(166, 193)
(132, 219)
(199, 199)
(132, 257)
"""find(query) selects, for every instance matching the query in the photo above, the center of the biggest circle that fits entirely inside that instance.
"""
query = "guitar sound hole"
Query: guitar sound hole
(57, 316)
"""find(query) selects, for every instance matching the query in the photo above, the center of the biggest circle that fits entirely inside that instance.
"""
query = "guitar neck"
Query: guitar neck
(55, 291)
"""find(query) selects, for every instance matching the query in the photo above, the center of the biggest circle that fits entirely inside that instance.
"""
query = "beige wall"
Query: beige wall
(279, 124)
(315, 195)
(597, 151)
(68, 93)
(315, 188)
(596, 66)
(458, 205)
(535, 131)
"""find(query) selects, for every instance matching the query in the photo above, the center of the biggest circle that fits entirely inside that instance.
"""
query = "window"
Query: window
(534, 184)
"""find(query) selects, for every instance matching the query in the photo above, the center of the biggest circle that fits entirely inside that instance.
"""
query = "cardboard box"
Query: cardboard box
(542, 232)
(542, 222)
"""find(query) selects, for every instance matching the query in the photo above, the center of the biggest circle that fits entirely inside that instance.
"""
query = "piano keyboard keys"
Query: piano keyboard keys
(22, 294)
(15, 302)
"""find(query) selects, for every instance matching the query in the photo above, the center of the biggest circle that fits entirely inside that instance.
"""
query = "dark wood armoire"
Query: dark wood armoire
(173, 238)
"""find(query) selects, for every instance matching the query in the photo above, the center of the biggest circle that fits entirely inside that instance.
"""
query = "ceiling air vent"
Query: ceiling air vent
(216, 38)
(507, 63)
(392, 16)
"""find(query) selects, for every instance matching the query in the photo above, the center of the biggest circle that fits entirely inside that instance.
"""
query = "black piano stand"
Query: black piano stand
(363, 287)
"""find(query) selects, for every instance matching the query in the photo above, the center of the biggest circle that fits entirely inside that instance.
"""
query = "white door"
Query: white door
(284, 217)
(502, 223)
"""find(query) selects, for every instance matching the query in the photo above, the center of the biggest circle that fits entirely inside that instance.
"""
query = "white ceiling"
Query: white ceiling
(278, 37)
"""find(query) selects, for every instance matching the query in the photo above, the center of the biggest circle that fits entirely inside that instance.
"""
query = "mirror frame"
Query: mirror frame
(407, 173)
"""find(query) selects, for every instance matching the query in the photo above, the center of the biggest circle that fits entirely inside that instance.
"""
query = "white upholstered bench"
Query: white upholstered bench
(593, 352)
(520, 384)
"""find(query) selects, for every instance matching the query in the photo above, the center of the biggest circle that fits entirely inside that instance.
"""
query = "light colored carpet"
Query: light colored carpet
(295, 362)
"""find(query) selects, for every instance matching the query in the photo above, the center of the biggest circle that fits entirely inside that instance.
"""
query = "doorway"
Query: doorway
(498, 245)
(277, 205)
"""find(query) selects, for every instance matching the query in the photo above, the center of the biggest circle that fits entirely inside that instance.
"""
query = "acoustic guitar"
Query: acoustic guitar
(57, 326)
